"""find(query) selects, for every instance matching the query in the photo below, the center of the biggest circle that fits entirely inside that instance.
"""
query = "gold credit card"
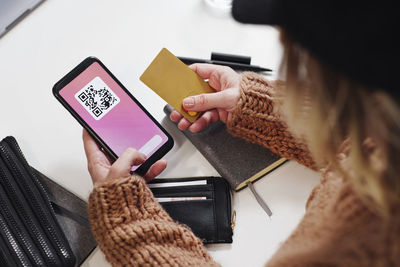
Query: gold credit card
(173, 81)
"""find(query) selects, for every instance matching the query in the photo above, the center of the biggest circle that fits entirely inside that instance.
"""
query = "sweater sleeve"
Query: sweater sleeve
(254, 120)
(132, 229)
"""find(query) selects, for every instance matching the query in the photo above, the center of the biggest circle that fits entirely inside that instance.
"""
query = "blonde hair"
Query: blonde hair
(326, 109)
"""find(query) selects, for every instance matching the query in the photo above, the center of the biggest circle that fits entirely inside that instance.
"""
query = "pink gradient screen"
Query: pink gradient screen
(124, 125)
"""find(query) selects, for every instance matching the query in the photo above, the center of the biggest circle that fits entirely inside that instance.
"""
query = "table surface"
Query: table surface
(126, 35)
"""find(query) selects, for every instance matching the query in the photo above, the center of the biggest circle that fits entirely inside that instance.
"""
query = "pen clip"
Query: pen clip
(230, 58)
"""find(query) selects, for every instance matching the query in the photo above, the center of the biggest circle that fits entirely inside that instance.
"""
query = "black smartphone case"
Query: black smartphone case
(210, 219)
(69, 77)
(30, 234)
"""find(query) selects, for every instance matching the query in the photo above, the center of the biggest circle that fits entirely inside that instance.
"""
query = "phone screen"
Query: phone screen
(111, 113)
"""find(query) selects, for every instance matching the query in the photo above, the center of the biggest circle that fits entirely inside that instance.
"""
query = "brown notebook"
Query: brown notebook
(235, 159)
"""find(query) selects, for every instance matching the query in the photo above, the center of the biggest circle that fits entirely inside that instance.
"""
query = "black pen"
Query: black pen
(233, 65)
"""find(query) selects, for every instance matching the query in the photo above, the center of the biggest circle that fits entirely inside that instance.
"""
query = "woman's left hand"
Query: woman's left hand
(101, 169)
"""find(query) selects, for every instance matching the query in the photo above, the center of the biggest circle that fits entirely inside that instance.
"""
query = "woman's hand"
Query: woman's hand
(101, 169)
(218, 105)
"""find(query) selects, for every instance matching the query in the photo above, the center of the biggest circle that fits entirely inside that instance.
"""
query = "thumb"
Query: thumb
(122, 166)
(205, 102)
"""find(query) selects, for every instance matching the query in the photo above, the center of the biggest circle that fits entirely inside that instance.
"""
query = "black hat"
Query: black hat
(356, 38)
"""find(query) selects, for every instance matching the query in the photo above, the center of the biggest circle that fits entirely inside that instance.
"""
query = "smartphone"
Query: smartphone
(111, 115)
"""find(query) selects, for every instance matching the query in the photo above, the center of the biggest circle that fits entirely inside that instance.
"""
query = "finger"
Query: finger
(90, 146)
(155, 170)
(204, 121)
(184, 124)
(97, 162)
(205, 102)
(175, 116)
(122, 166)
(206, 70)
(92, 149)
(223, 116)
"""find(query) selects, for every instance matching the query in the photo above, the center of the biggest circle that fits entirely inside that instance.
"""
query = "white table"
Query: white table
(126, 35)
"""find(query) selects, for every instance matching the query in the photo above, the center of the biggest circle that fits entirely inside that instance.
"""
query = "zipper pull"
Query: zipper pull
(233, 221)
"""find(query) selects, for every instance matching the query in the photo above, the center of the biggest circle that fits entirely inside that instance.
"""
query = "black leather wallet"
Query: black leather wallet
(29, 232)
(202, 203)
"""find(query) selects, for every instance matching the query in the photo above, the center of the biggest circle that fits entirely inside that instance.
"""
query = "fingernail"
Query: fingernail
(188, 102)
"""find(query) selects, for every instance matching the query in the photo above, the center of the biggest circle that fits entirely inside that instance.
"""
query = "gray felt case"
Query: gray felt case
(72, 215)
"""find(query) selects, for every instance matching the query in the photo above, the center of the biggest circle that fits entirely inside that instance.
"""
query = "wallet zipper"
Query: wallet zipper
(67, 256)
(16, 251)
(232, 213)
(23, 213)
(12, 150)
(32, 252)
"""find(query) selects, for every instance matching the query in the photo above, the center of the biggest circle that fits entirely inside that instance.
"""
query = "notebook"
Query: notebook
(235, 159)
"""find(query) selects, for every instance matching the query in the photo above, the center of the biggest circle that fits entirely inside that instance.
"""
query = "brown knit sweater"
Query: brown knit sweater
(131, 228)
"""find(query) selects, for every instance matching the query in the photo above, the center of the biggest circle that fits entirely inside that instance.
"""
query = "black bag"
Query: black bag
(202, 203)
(29, 232)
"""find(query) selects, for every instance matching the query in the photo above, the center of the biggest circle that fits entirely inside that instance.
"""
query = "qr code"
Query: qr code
(97, 98)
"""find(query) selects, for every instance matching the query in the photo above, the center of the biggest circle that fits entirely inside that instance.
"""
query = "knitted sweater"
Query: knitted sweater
(131, 227)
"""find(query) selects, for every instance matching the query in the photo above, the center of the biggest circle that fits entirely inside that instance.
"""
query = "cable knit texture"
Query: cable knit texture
(132, 229)
(254, 120)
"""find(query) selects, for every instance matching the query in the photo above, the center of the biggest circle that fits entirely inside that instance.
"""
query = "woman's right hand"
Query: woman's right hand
(218, 105)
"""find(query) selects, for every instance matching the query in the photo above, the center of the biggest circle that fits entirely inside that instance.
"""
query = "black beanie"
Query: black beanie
(356, 38)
